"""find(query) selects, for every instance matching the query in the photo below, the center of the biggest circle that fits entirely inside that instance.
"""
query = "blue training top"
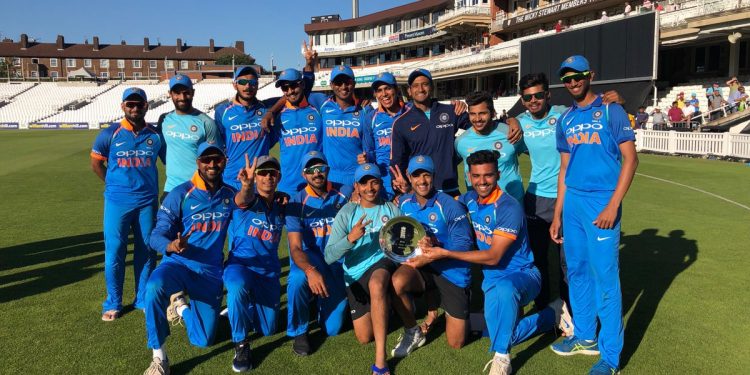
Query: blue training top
(539, 137)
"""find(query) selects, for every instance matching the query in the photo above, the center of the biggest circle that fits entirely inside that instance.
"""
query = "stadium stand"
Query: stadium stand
(46, 99)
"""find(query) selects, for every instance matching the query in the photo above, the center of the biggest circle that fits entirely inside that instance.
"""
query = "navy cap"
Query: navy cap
(268, 159)
(134, 91)
(420, 162)
(577, 63)
(419, 72)
(289, 75)
(367, 169)
(384, 78)
(341, 69)
(180, 79)
(243, 70)
(206, 146)
(313, 155)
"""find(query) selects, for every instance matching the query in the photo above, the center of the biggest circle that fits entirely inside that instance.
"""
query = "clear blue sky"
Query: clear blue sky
(267, 27)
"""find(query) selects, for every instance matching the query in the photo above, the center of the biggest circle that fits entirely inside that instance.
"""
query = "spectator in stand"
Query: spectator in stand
(658, 7)
(559, 26)
(641, 117)
(628, 9)
(503, 116)
(681, 100)
(647, 5)
(710, 90)
(734, 98)
(604, 16)
(658, 119)
(688, 113)
(742, 100)
(733, 84)
(715, 103)
(693, 99)
(674, 114)
(697, 115)
(541, 29)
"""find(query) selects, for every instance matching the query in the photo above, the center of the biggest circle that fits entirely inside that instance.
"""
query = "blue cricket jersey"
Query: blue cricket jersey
(346, 134)
(592, 136)
(255, 235)
(191, 208)
(382, 127)
(132, 179)
(183, 134)
(449, 222)
(299, 130)
(510, 178)
(500, 215)
(539, 137)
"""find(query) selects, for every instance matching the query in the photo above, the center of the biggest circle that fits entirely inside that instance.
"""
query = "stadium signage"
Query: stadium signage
(546, 11)
(9, 125)
(417, 33)
(59, 125)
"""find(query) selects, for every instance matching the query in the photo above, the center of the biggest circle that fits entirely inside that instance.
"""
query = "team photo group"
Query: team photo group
(346, 170)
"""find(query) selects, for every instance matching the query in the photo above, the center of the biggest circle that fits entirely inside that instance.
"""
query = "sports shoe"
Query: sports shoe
(157, 367)
(241, 361)
(301, 346)
(573, 345)
(499, 366)
(175, 301)
(411, 339)
(603, 368)
(562, 317)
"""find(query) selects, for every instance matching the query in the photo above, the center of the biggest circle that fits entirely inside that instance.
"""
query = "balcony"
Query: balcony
(465, 18)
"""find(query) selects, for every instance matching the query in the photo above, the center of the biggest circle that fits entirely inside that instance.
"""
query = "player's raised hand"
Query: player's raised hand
(459, 107)
(310, 54)
(398, 181)
(362, 158)
(359, 229)
(180, 243)
(267, 122)
(246, 176)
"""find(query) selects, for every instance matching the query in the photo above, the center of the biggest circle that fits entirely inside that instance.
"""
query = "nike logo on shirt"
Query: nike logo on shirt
(602, 238)
(230, 118)
(413, 128)
(193, 207)
(330, 110)
(118, 144)
(284, 122)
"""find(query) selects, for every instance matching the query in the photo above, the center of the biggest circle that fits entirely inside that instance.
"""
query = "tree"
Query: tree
(238, 60)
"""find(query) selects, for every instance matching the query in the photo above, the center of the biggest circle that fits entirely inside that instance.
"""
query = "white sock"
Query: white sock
(181, 309)
(161, 354)
(503, 357)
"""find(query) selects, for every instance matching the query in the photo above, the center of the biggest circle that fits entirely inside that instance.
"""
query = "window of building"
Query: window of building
(121, 75)
(137, 64)
(16, 61)
(201, 63)
(396, 27)
(54, 74)
(87, 63)
(121, 64)
(152, 75)
(104, 74)
(33, 74)
(70, 63)
(104, 63)
(137, 75)
(152, 64)
(316, 39)
(34, 60)
(170, 64)
(383, 30)
(184, 64)
(53, 63)
(348, 36)
(2, 59)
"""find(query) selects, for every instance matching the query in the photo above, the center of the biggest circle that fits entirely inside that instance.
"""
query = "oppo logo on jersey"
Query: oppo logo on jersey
(264, 231)
(203, 216)
(483, 232)
(132, 153)
(583, 127)
(384, 132)
(180, 135)
(322, 222)
(443, 126)
(296, 131)
(247, 126)
(245, 132)
(539, 133)
(321, 228)
(342, 122)
(262, 224)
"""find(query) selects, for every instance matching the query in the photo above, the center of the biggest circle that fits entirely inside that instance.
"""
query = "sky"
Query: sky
(274, 28)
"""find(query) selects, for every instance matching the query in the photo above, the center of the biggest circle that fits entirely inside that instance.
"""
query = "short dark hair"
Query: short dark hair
(478, 97)
(483, 157)
(533, 79)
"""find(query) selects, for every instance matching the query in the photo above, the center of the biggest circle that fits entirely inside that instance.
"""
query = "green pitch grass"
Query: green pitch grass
(684, 274)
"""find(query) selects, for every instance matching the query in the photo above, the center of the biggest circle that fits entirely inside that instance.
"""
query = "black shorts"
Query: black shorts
(539, 208)
(453, 298)
(358, 292)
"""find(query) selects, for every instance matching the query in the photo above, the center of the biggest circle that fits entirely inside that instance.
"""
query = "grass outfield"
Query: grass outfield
(684, 273)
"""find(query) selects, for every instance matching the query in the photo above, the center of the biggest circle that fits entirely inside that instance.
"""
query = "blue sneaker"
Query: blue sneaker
(603, 368)
(574, 345)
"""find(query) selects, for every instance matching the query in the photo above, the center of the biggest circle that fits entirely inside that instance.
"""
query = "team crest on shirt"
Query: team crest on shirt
(597, 115)
(338, 205)
(498, 145)
(259, 113)
(310, 117)
(552, 121)
(356, 113)
(444, 117)
(226, 201)
(193, 128)
(433, 217)
(384, 219)
(487, 219)
(149, 142)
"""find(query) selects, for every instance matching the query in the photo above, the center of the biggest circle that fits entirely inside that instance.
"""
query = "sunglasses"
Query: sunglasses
(244, 82)
(577, 77)
(537, 95)
(317, 169)
(211, 158)
(342, 81)
(289, 86)
(267, 172)
(135, 104)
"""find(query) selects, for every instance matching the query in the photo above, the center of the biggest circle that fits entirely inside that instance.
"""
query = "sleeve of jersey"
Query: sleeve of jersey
(167, 222)
(212, 132)
(309, 79)
(293, 219)
(338, 243)
(458, 226)
(316, 99)
(368, 138)
(562, 143)
(457, 145)
(620, 124)
(100, 150)
(218, 115)
(399, 151)
(509, 222)
(463, 121)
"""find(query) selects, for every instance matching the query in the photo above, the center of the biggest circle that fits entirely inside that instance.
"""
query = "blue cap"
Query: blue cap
(384, 78)
(134, 91)
(367, 169)
(341, 69)
(419, 72)
(180, 79)
(575, 62)
(206, 146)
(245, 69)
(420, 162)
(289, 75)
(313, 155)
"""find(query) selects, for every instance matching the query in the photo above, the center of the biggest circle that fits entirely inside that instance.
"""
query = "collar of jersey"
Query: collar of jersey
(492, 198)
(430, 201)
(302, 104)
(312, 192)
(400, 110)
(198, 182)
(596, 103)
(125, 124)
(237, 103)
(351, 108)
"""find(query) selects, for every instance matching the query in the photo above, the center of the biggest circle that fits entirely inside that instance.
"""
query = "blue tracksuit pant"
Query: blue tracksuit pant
(331, 310)
(252, 299)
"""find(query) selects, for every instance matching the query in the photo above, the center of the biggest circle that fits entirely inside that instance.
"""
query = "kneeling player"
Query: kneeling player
(510, 278)
(252, 273)
(367, 271)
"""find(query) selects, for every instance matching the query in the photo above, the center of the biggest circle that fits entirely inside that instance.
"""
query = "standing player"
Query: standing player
(252, 271)
(597, 164)
(367, 271)
(124, 157)
(487, 134)
(448, 222)
(510, 279)
(184, 129)
(310, 215)
(390, 107)
(190, 231)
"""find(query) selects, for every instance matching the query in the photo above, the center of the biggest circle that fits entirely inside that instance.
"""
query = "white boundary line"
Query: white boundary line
(696, 189)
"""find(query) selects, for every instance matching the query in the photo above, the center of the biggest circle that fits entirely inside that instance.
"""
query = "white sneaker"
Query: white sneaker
(408, 341)
(562, 317)
(500, 366)
(157, 367)
(176, 301)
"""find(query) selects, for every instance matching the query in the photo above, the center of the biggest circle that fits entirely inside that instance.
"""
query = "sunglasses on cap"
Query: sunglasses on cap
(244, 82)
(135, 104)
(317, 169)
(577, 77)
(289, 86)
(212, 158)
(267, 172)
(537, 95)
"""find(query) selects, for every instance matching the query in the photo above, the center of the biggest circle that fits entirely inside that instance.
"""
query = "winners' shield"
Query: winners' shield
(399, 237)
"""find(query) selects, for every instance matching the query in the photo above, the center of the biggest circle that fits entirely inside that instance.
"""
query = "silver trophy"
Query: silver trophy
(399, 238)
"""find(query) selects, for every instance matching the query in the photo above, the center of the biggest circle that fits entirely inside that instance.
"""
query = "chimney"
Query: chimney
(123, 42)
(211, 47)
(60, 42)
(179, 45)
(240, 45)
(355, 8)
(96, 43)
(145, 45)
(24, 41)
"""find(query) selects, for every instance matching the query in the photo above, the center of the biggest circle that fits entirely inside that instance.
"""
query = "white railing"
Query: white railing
(678, 14)
(468, 10)
(672, 142)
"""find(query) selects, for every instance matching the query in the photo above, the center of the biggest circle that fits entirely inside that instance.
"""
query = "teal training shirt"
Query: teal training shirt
(539, 139)
(183, 134)
(510, 178)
